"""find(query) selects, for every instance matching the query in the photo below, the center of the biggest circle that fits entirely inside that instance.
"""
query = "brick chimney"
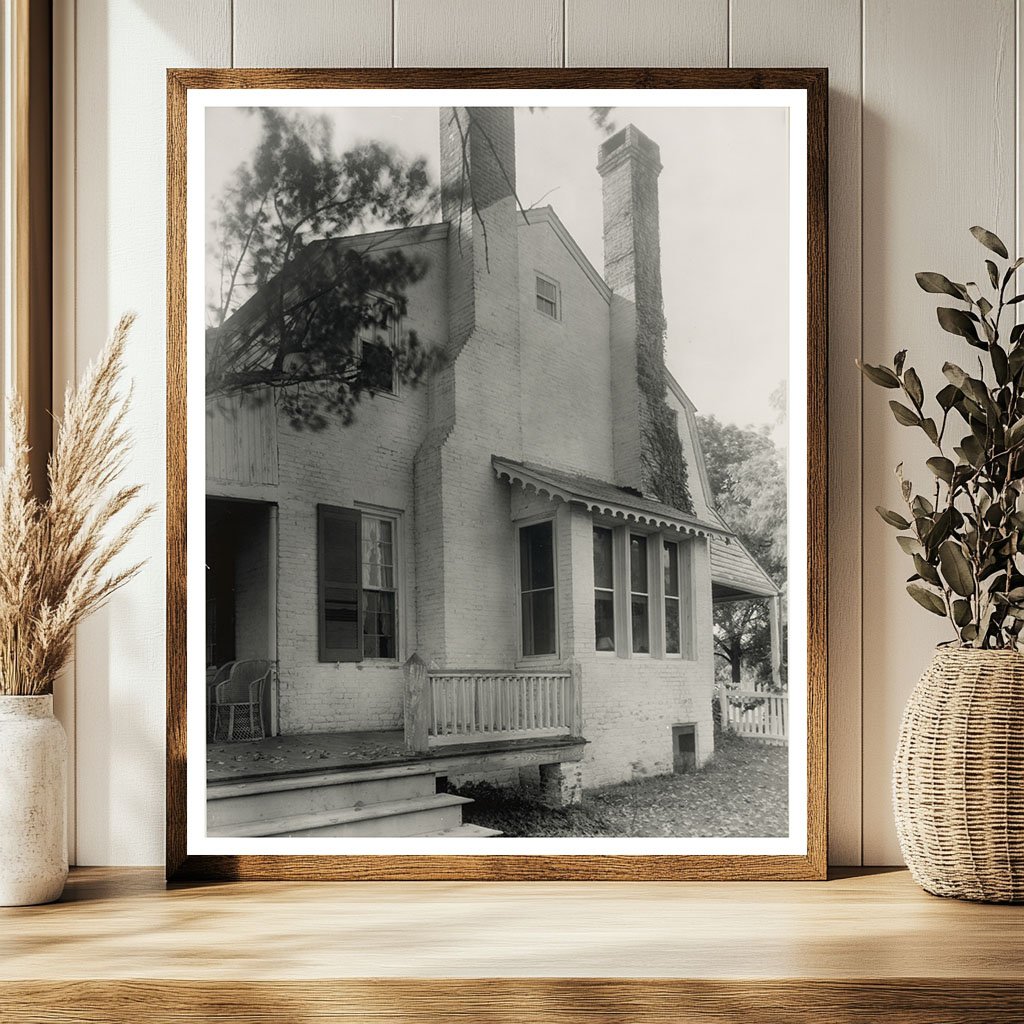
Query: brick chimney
(647, 453)
(464, 551)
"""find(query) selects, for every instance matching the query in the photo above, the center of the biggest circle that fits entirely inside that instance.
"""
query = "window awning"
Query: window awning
(603, 498)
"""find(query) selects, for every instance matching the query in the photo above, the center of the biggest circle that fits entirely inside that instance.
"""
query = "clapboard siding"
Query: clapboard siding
(241, 439)
(939, 156)
(807, 33)
(940, 89)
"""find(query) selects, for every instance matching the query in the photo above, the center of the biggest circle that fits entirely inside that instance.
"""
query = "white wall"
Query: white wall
(924, 143)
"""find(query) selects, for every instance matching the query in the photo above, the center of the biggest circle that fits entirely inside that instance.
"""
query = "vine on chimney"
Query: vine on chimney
(664, 466)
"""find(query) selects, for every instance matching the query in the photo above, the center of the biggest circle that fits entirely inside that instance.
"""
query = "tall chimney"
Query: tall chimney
(647, 453)
(463, 524)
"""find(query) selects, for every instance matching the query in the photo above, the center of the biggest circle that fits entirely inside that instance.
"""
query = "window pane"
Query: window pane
(379, 625)
(341, 617)
(546, 307)
(546, 289)
(604, 620)
(670, 563)
(672, 625)
(536, 557)
(378, 553)
(378, 366)
(641, 626)
(539, 622)
(603, 573)
(638, 563)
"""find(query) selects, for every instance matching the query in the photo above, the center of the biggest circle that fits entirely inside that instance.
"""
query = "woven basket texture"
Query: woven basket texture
(958, 776)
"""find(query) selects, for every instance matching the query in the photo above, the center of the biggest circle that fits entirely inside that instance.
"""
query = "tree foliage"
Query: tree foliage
(313, 300)
(747, 475)
(965, 530)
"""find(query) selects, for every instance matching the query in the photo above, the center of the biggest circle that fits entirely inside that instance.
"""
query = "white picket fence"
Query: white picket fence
(755, 716)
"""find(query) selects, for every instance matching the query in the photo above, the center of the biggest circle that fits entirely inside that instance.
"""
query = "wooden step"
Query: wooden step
(411, 817)
(464, 831)
(266, 800)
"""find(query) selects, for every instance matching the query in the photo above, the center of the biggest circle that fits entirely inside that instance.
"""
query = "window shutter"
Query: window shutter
(340, 599)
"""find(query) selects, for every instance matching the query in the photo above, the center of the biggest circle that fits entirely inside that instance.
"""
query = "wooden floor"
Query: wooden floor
(868, 947)
(325, 751)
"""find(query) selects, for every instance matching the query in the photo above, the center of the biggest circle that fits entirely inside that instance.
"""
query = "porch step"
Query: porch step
(266, 800)
(416, 816)
(464, 831)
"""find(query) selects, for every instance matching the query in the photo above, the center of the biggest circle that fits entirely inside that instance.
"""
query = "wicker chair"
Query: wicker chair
(239, 699)
(213, 678)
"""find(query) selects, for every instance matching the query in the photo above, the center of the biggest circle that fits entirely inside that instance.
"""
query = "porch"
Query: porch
(369, 784)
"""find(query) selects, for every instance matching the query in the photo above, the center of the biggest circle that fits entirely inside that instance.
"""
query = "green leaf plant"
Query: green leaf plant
(965, 534)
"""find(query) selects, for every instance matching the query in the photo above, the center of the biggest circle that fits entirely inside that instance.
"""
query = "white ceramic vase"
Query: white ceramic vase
(33, 801)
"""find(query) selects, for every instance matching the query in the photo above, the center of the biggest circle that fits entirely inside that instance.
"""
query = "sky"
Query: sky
(724, 209)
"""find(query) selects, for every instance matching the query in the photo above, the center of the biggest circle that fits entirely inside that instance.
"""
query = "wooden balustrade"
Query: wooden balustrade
(754, 715)
(468, 706)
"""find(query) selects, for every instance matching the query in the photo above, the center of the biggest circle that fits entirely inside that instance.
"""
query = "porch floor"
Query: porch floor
(323, 751)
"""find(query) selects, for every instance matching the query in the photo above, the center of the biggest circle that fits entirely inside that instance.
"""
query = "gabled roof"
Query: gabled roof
(604, 498)
(547, 215)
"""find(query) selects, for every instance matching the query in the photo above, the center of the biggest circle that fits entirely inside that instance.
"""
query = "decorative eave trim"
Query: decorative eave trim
(529, 481)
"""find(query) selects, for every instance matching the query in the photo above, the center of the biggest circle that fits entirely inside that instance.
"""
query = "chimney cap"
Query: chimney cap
(628, 143)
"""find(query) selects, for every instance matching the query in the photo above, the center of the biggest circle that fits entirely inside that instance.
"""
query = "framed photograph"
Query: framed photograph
(496, 474)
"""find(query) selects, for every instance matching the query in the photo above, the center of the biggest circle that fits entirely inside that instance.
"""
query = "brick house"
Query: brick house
(500, 522)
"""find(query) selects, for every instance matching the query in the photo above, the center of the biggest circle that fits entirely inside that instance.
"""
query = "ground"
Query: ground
(741, 792)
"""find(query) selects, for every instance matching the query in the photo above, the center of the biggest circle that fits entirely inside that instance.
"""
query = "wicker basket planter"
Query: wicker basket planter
(958, 777)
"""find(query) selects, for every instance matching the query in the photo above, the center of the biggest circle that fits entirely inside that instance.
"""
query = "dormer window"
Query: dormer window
(549, 300)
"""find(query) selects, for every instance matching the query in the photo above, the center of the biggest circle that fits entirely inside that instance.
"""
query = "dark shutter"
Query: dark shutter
(340, 604)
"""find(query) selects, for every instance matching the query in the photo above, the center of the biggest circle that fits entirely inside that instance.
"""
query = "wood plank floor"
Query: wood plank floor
(121, 946)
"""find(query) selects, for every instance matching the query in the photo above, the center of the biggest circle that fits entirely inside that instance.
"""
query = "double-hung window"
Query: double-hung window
(537, 589)
(604, 589)
(357, 586)
(640, 596)
(673, 619)
(547, 297)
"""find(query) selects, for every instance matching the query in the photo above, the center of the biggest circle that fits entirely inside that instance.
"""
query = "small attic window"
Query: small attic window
(549, 299)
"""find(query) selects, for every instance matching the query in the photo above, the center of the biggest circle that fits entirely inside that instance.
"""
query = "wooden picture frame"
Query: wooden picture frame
(810, 863)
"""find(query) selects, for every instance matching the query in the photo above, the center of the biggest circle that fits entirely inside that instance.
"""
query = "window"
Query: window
(380, 607)
(340, 593)
(537, 588)
(358, 593)
(547, 297)
(377, 348)
(670, 565)
(639, 594)
(604, 590)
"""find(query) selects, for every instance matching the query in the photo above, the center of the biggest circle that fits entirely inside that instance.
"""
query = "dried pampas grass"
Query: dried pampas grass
(56, 556)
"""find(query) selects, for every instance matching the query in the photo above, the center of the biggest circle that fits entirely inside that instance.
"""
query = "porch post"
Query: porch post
(417, 704)
(775, 625)
(275, 686)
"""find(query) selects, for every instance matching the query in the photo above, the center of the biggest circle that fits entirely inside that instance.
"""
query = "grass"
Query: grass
(742, 791)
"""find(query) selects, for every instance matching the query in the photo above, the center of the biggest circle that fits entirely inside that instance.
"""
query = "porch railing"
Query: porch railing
(757, 716)
(469, 706)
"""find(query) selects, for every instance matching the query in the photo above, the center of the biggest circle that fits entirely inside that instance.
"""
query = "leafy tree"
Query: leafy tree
(747, 475)
(292, 302)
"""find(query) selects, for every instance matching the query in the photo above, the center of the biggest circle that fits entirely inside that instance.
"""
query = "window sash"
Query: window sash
(547, 297)
(538, 609)
(379, 339)
(639, 594)
(380, 592)
(340, 595)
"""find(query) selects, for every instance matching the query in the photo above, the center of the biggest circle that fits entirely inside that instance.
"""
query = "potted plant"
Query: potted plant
(958, 781)
(57, 560)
